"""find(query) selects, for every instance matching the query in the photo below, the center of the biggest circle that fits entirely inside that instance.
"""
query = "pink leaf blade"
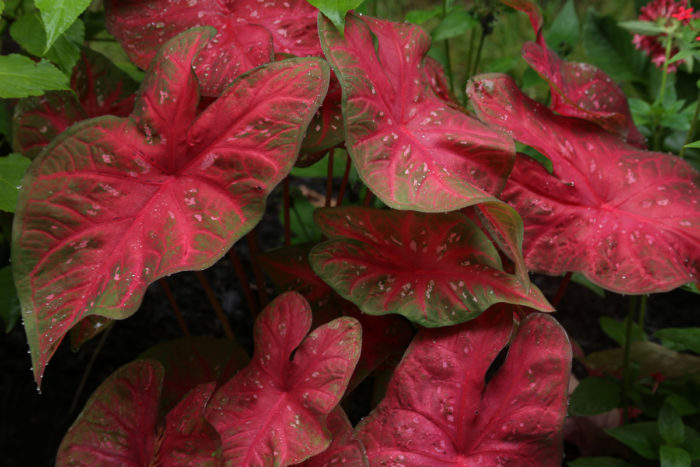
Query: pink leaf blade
(187, 438)
(274, 410)
(409, 146)
(627, 219)
(435, 270)
(584, 91)
(117, 425)
(110, 207)
(345, 449)
(438, 395)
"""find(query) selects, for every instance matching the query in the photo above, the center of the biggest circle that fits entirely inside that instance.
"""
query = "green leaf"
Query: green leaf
(565, 29)
(610, 47)
(616, 330)
(66, 50)
(335, 10)
(301, 218)
(641, 437)
(421, 16)
(599, 462)
(5, 121)
(456, 23)
(21, 77)
(674, 457)
(28, 32)
(58, 15)
(2, 6)
(580, 279)
(9, 303)
(645, 28)
(680, 339)
(594, 396)
(694, 144)
(12, 170)
(671, 426)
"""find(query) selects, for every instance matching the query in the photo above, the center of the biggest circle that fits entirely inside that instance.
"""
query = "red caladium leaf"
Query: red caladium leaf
(274, 410)
(345, 450)
(434, 269)
(326, 130)
(118, 425)
(100, 89)
(584, 91)
(113, 204)
(249, 32)
(409, 146)
(533, 12)
(439, 411)
(628, 219)
(382, 336)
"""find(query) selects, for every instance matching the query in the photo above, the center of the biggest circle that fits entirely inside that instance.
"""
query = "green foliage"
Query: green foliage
(594, 396)
(671, 426)
(599, 462)
(58, 16)
(680, 339)
(610, 47)
(335, 10)
(12, 169)
(565, 30)
(616, 330)
(455, 23)
(21, 77)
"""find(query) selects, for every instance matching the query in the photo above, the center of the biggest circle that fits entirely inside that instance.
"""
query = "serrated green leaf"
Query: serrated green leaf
(12, 170)
(694, 144)
(594, 396)
(680, 339)
(610, 47)
(670, 425)
(335, 10)
(9, 303)
(66, 50)
(58, 15)
(21, 77)
(599, 462)
(28, 32)
(673, 457)
(645, 28)
(456, 23)
(565, 29)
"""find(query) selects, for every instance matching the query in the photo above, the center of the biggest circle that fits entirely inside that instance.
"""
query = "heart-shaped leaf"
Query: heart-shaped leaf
(439, 411)
(326, 129)
(99, 88)
(383, 337)
(274, 410)
(250, 32)
(345, 449)
(119, 422)
(114, 204)
(628, 219)
(435, 269)
(411, 148)
(584, 91)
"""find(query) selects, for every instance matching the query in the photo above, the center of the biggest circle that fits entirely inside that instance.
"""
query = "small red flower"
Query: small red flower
(654, 45)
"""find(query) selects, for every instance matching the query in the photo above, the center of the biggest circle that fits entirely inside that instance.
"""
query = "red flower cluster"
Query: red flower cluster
(653, 45)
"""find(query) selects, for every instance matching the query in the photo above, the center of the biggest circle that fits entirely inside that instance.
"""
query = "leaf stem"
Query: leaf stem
(329, 180)
(562, 289)
(478, 52)
(173, 304)
(691, 130)
(344, 182)
(642, 312)
(88, 368)
(214, 302)
(287, 218)
(243, 279)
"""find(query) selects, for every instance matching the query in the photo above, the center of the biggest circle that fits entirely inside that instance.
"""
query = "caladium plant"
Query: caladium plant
(423, 300)
(114, 204)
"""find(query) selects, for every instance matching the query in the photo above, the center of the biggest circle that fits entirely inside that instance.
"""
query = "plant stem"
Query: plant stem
(344, 182)
(88, 368)
(626, 355)
(642, 312)
(173, 304)
(691, 130)
(478, 53)
(214, 302)
(243, 279)
(562, 289)
(252, 239)
(368, 197)
(657, 143)
(329, 180)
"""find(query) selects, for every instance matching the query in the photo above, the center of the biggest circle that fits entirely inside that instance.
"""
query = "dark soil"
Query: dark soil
(32, 425)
